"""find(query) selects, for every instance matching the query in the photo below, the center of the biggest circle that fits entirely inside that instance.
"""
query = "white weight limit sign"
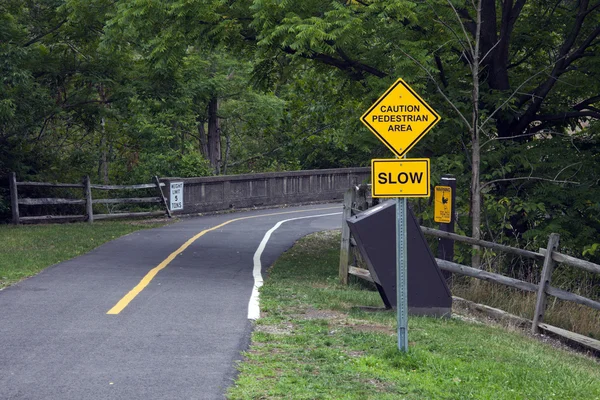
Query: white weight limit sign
(176, 197)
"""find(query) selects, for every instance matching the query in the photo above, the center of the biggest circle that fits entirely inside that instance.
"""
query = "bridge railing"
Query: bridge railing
(203, 194)
(224, 192)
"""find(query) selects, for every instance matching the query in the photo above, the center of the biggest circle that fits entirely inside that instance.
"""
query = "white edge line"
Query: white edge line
(254, 303)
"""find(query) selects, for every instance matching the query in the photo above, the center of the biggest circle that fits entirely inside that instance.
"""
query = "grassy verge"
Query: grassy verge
(315, 343)
(26, 250)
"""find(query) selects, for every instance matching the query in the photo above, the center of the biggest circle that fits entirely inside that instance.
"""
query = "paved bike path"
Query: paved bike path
(178, 338)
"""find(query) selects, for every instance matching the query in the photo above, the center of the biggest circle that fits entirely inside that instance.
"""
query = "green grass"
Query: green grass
(315, 343)
(26, 250)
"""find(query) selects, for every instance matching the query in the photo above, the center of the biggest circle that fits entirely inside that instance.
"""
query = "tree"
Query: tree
(523, 81)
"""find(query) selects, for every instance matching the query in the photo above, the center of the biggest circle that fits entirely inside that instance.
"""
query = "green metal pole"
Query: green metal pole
(401, 274)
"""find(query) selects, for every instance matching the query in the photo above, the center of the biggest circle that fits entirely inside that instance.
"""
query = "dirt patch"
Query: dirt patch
(355, 354)
(285, 329)
(338, 319)
(324, 235)
(330, 315)
(319, 285)
(151, 221)
(373, 328)
(323, 314)
(378, 386)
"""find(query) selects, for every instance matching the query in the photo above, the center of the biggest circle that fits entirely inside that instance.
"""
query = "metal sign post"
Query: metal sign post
(400, 118)
(401, 275)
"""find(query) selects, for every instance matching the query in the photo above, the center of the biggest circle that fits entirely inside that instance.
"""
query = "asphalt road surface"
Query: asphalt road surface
(157, 314)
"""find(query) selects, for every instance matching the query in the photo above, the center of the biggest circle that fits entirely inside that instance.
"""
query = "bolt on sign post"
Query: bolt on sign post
(400, 118)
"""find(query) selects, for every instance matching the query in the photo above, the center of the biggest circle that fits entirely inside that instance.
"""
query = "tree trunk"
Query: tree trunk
(104, 156)
(227, 151)
(202, 140)
(104, 148)
(182, 140)
(214, 135)
(494, 45)
(476, 145)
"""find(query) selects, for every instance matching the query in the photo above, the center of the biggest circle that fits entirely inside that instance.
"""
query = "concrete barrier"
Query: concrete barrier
(215, 193)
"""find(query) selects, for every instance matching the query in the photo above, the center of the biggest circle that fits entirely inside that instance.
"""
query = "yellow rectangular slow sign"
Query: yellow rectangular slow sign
(442, 207)
(400, 177)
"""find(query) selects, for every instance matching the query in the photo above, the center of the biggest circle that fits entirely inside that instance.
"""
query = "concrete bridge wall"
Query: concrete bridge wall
(217, 193)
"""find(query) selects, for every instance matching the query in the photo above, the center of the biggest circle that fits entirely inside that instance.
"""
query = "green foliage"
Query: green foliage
(172, 164)
(119, 90)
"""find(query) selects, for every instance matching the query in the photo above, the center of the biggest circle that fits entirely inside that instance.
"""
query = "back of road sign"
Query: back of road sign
(375, 234)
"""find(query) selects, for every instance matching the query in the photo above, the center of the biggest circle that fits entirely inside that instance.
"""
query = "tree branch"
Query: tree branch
(568, 115)
(522, 60)
(559, 68)
(586, 103)
(568, 166)
(488, 52)
(508, 138)
(354, 68)
(580, 52)
(512, 95)
(82, 103)
(438, 88)
(592, 9)
(41, 36)
(440, 66)
(359, 65)
(533, 178)
(470, 23)
(465, 50)
(462, 25)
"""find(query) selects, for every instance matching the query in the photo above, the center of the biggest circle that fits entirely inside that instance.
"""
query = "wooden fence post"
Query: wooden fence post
(89, 209)
(162, 196)
(14, 198)
(345, 245)
(361, 197)
(540, 305)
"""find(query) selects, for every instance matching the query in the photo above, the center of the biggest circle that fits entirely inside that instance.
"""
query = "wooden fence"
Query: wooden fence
(87, 201)
(355, 201)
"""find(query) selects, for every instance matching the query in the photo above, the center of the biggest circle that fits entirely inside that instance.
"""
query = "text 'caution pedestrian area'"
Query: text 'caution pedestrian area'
(400, 178)
(400, 118)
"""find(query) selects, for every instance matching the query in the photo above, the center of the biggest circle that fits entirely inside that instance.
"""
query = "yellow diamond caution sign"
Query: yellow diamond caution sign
(400, 178)
(400, 118)
(442, 207)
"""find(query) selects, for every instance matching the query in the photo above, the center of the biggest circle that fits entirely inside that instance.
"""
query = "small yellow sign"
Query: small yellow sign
(400, 118)
(400, 178)
(442, 207)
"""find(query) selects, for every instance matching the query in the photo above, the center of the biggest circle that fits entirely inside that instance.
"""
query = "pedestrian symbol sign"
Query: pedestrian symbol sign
(400, 118)
(442, 207)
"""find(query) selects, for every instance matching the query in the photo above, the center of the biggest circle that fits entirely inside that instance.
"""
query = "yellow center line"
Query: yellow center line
(124, 302)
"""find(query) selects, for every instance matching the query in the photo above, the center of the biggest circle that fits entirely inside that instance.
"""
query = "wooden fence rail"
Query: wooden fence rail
(550, 257)
(87, 201)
